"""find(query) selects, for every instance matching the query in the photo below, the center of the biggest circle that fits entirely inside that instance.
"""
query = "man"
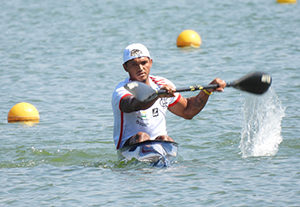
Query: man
(136, 121)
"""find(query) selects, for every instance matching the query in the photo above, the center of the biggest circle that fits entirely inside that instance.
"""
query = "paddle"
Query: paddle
(256, 83)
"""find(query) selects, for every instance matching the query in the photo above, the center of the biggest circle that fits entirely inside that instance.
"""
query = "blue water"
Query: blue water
(65, 57)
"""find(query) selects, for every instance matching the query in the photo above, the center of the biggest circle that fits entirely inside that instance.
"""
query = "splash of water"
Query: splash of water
(261, 134)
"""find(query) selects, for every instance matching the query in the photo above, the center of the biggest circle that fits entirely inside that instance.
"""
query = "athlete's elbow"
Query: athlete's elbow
(188, 116)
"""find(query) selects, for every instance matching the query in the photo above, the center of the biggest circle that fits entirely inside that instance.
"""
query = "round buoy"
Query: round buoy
(23, 112)
(189, 38)
(287, 1)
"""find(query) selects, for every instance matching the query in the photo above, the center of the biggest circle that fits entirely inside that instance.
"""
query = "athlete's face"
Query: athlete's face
(138, 68)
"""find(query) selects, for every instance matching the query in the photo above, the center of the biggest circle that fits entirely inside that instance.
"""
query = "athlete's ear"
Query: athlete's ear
(125, 67)
(151, 61)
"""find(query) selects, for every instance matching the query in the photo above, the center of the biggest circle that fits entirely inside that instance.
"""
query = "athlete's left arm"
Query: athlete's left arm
(190, 107)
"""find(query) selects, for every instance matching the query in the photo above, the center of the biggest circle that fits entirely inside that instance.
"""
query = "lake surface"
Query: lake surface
(65, 57)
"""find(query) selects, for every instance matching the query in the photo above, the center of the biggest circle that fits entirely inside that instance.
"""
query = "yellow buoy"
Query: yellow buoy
(287, 1)
(23, 112)
(189, 38)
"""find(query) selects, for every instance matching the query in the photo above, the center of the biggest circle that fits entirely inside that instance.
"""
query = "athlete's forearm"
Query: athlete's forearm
(195, 104)
(130, 104)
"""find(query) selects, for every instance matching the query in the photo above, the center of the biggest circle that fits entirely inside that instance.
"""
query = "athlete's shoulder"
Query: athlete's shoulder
(120, 91)
(122, 83)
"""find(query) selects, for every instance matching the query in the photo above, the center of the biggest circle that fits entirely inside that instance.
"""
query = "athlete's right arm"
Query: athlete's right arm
(130, 104)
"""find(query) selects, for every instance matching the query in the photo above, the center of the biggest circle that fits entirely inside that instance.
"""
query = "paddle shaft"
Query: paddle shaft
(256, 83)
(195, 88)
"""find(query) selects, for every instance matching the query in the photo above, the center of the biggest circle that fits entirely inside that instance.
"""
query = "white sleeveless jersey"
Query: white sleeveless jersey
(151, 121)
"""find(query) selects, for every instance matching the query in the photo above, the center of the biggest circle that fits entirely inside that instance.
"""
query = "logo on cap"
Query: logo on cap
(136, 52)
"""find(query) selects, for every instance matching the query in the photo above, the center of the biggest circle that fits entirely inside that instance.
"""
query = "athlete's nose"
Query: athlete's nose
(141, 67)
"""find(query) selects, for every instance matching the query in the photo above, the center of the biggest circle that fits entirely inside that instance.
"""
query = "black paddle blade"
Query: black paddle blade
(256, 82)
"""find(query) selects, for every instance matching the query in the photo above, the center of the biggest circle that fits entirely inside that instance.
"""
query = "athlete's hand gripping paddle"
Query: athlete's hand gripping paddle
(256, 83)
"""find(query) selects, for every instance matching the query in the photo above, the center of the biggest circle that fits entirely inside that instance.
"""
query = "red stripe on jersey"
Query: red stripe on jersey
(121, 130)
(122, 121)
(158, 81)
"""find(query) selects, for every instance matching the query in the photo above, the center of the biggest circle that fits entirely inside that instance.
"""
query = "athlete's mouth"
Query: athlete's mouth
(141, 74)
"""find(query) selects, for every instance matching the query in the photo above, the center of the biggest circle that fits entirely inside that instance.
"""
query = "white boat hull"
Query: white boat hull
(158, 153)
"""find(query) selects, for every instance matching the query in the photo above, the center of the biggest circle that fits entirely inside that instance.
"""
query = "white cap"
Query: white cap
(134, 51)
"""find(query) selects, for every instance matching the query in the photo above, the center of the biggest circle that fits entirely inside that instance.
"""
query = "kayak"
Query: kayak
(156, 152)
